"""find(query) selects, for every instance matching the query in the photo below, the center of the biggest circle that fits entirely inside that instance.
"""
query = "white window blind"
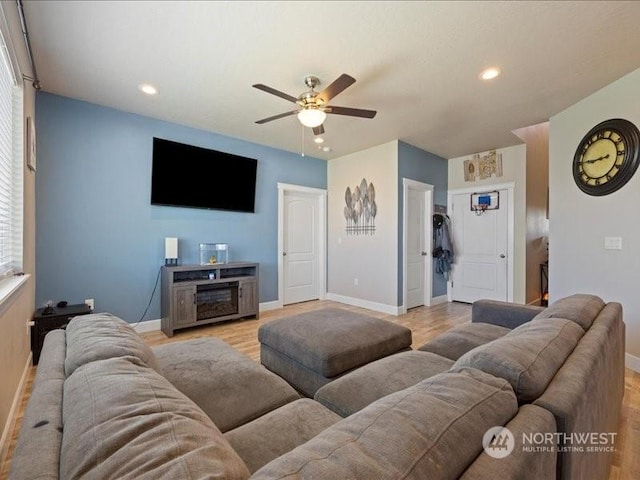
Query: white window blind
(11, 169)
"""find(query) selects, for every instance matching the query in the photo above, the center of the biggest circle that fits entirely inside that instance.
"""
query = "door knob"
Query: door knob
(284, 254)
(502, 255)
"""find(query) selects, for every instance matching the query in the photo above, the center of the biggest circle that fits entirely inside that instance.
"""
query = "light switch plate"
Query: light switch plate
(613, 243)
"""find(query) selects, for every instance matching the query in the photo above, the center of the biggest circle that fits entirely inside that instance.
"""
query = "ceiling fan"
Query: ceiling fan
(314, 105)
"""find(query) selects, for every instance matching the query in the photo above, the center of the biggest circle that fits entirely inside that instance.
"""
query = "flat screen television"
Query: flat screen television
(188, 176)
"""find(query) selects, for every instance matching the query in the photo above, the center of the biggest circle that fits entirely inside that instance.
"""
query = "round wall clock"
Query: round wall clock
(607, 157)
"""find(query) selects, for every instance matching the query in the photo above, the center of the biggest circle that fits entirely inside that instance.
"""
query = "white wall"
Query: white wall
(372, 259)
(514, 170)
(578, 222)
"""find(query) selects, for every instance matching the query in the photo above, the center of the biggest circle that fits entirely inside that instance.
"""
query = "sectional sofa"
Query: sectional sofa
(104, 405)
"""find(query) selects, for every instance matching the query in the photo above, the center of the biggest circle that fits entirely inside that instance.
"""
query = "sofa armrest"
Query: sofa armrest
(503, 314)
(37, 453)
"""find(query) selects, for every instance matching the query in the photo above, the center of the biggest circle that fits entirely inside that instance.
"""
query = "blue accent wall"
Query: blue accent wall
(99, 237)
(422, 166)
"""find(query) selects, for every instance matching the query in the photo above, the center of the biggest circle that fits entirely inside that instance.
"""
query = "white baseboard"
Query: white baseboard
(358, 302)
(11, 418)
(439, 299)
(434, 301)
(632, 362)
(154, 325)
(148, 326)
(265, 306)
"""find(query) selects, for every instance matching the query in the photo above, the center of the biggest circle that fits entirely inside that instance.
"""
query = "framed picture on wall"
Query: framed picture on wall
(471, 168)
(30, 144)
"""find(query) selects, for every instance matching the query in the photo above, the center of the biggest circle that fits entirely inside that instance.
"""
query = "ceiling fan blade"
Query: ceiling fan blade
(276, 117)
(353, 112)
(341, 83)
(275, 92)
(318, 130)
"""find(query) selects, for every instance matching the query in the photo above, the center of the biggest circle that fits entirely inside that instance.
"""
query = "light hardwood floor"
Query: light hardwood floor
(425, 323)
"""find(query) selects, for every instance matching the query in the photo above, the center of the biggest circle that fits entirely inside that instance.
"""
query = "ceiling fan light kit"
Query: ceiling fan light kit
(313, 105)
(311, 117)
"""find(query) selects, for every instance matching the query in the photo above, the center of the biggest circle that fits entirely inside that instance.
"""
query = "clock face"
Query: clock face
(602, 157)
(607, 157)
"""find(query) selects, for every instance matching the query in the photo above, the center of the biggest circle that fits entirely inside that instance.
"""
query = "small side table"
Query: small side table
(43, 324)
(544, 284)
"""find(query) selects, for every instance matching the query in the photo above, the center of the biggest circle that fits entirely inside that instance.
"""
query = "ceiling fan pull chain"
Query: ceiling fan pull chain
(302, 126)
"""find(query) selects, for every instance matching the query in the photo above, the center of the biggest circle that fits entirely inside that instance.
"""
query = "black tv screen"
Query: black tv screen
(188, 176)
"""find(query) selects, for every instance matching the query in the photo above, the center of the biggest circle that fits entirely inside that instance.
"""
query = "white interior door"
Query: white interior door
(301, 259)
(480, 267)
(416, 248)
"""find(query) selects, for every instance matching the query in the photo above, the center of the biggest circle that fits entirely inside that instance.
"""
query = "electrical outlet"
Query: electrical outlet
(89, 301)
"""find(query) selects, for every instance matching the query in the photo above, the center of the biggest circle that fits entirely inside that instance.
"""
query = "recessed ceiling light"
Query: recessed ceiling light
(318, 140)
(326, 149)
(148, 89)
(490, 73)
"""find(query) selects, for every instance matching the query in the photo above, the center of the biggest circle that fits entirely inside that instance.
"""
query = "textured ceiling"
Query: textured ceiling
(416, 63)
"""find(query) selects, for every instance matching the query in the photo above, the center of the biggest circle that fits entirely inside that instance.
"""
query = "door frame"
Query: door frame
(427, 189)
(321, 198)
(509, 187)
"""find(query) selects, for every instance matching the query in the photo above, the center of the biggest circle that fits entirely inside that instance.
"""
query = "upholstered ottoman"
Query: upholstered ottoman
(311, 349)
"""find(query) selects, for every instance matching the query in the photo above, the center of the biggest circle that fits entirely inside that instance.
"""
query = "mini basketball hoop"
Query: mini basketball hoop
(479, 209)
(481, 202)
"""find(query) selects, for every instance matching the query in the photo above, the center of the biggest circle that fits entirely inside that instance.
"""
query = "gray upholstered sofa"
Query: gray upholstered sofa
(567, 359)
(104, 405)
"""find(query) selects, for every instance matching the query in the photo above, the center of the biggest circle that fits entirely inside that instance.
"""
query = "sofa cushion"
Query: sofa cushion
(100, 336)
(124, 420)
(528, 357)
(504, 314)
(278, 432)
(431, 430)
(526, 460)
(460, 339)
(366, 384)
(582, 309)
(230, 387)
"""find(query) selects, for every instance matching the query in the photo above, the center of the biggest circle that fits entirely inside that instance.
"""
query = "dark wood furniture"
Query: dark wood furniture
(202, 294)
(43, 323)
